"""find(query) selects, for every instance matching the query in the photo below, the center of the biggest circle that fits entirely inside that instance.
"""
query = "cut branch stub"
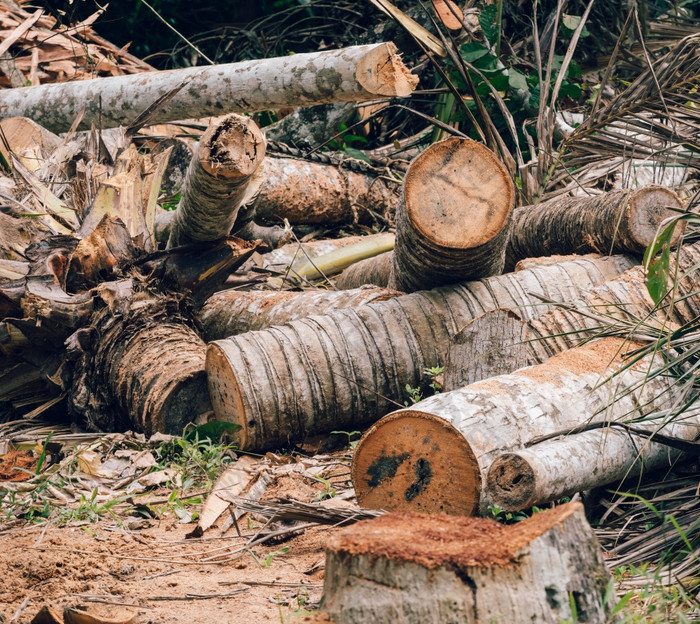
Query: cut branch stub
(621, 221)
(418, 569)
(354, 74)
(412, 458)
(351, 366)
(229, 153)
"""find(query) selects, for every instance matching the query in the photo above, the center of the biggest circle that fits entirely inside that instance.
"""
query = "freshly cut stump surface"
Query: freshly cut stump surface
(436, 569)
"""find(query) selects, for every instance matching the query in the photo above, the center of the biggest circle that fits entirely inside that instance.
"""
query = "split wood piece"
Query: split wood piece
(374, 271)
(574, 463)
(354, 74)
(452, 219)
(146, 371)
(232, 312)
(421, 569)
(412, 458)
(305, 192)
(27, 140)
(352, 366)
(229, 153)
(621, 221)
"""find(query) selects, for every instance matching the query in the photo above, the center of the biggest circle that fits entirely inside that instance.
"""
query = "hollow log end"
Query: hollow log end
(225, 394)
(232, 147)
(183, 405)
(647, 208)
(458, 194)
(510, 481)
(412, 460)
(382, 72)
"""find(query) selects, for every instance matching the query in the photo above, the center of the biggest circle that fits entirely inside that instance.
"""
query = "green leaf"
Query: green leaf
(355, 153)
(657, 260)
(471, 52)
(517, 80)
(213, 430)
(621, 603)
(570, 23)
(570, 90)
(486, 63)
(488, 20)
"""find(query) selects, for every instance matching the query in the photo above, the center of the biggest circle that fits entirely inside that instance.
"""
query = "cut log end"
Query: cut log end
(415, 461)
(648, 207)
(382, 72)
(510, 482)
(225, 394)
(458, 194)
(232, 148)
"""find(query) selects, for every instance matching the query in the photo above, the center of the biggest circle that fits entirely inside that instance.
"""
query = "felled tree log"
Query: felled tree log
(311, 126)
(582, 461)
(229, 153)
(452, 220)
(352, 74)
(305, 192)
(351, 366)
(375, 271)
(232, 312)
(410, 458)
(621, 221)
(420, 569)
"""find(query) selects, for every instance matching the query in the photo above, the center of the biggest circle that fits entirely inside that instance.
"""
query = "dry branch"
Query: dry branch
(352, 74)
(229, 154)
(623, 221)
(419, 569)
(411, 458)
(351, 366)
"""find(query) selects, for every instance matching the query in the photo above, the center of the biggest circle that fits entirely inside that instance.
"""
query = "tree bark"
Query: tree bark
(232, 312)
(229, 153)
(434, 569)
(621, 221)
(375, 271)
(412, 458)
(352, 74)
(561, 467)
(352, 366)
(452, 219)
(305, 192)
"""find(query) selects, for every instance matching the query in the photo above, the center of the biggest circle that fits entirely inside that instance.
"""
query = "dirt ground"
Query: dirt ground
(165, 576)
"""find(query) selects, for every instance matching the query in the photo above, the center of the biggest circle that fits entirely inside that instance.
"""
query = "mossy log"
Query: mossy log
(412, 458)
(229, 153)
(232, 312)
(350, 367)
(620, 221)
(418, 569)
(452, 219)
(352, 74)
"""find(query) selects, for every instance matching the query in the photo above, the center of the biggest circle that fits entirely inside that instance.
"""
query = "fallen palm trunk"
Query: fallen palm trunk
(352, 366)
(352, 74)
(561, 467)
(409, 459)
(418, 569)
(452, 220)
(229, 153)
(232, 312)
(622, 221)
(375, 271)
(304, 192)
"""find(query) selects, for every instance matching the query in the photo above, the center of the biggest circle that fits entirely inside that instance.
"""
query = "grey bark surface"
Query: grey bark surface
(421, 569)
(311, 126)
(232, 312)
(352, 74)
(229, 154)
(620, 221)
(348, 368)
(474, 425)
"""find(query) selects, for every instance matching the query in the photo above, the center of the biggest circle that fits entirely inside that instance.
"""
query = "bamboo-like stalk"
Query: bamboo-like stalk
(352, 74)
(409, 458)
(229, 153)
(620, 221)
(348, 368)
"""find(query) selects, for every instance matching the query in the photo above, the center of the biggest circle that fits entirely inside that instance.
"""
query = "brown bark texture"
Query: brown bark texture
(229, 153)
(232, 312)
(620, 221)
(409, 458)
(375, 271)
(435, 569)
(350, 367)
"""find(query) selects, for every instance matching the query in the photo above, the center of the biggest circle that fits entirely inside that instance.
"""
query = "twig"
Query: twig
(18, 613)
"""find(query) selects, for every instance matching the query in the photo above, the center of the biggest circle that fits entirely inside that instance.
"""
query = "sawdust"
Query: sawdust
(17, 466)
